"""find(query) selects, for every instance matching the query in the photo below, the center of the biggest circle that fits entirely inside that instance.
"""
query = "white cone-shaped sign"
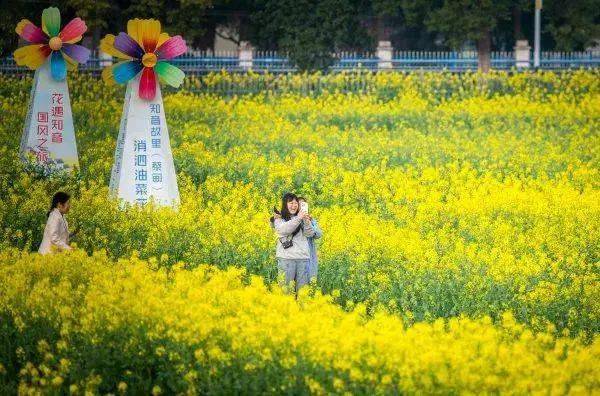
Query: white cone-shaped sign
(49, 136)
(143, 169)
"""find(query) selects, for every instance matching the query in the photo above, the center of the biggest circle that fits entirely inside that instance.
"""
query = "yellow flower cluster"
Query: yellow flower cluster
(448, 201)
(110, 326)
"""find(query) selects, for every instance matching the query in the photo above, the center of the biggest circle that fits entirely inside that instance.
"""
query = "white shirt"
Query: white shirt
(56, 233)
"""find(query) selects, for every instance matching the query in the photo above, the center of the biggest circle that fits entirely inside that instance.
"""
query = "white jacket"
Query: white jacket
(56, 233)
(299, 249)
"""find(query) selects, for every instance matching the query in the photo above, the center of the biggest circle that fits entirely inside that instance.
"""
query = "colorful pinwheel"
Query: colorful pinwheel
(51, 41)
(146, 50)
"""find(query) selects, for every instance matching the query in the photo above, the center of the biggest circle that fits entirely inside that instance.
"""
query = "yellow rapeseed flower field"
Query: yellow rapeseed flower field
(213, 331)
(461, 215)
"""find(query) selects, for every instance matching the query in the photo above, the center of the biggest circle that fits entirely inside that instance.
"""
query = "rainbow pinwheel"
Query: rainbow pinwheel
(51, 41)
(144, 49)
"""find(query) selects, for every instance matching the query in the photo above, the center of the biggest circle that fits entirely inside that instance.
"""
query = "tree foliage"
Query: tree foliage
(311, 30)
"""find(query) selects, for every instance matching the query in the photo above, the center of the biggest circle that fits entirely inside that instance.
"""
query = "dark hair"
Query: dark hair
(272, 218)
(287, 197)
(58, 198)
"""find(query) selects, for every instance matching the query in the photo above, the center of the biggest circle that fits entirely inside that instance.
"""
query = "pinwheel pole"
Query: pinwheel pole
(48, 134)
(143, 169)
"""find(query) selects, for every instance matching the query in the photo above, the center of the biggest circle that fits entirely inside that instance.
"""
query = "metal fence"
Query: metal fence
(452, 61)
(203, 62)
(569, 60)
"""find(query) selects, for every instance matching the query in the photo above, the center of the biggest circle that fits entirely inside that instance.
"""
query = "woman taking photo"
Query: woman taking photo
(293, 229)
(56, 232)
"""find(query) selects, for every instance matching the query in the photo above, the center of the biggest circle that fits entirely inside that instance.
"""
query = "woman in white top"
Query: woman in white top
(293, 228)
(56, 233)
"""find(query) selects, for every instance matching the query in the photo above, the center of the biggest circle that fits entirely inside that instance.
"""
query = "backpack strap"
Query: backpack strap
(293, 234)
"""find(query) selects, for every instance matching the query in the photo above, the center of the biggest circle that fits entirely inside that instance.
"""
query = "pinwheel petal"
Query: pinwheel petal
(71, 63)
(51, 21)
(107, 45)
(162, 38)
(31, 33)
(147, 89)
(58, 66)
(32, 56)
(170, 74)
(107, 74)
(128, 46)
(125, 71)
(22, 23)
(73, 40)
(78, 52)
(151, 34)
(75, 28)
(171, 48)
(146, 32)
(133, 28)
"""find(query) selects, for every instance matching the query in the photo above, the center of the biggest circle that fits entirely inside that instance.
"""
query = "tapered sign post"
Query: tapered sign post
(49, 135)
(143, 168)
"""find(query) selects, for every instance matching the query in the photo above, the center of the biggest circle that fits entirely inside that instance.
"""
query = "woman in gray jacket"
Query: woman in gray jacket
(293, 229)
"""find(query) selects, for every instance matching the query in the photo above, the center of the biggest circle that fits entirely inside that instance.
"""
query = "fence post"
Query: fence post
(384, 53)
(522, 54)
(245, 55)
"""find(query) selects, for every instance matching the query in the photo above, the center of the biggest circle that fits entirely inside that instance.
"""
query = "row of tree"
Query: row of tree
(310, 30)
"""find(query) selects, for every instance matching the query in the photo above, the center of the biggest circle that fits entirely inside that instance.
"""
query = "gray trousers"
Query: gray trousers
(295, 270)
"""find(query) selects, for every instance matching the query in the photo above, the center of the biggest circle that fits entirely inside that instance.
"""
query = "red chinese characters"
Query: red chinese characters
(56, 120)
(41, 151)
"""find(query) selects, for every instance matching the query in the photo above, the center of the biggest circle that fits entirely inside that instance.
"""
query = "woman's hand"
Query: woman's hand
(304, 216)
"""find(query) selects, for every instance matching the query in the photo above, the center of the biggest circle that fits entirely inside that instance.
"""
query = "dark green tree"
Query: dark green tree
(10, 15)
(96, 15)
(460, 21)
(391, 23)
(309, 30)
(186, 17)
(573, 25)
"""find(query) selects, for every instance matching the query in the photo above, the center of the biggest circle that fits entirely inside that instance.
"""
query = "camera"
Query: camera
(287, 244)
